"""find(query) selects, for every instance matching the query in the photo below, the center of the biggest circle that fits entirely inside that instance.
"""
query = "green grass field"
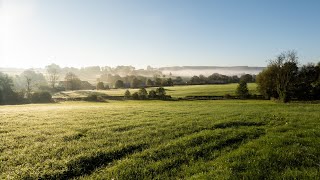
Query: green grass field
(222, 139)
(174, 91)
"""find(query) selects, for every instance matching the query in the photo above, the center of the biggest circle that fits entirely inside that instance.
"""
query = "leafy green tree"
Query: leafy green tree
(152, 94)
(242, 90)
(6, 90)
(169, 82)
(280, 75)
(194, 80)
(119, 84)
(247, 78)
(305, 84)
(127, 94)
(157, 81)
(100, 86)
(149, 82)
(41, 97)
(135, 96)
(143, 94)
(286, 68)
(7, 93)
(266, 81)
(135, 83)
(178, 80)
(161, 92)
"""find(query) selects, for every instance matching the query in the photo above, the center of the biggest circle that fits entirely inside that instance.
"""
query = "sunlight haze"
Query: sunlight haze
(35, 33)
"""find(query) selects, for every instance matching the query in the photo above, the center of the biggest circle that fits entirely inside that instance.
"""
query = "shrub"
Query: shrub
(119, 84)
(41, 97)
(143, 94)
(227, 96)
(242, 90)
(94, 98)
(161, 92)
(135, 96)
(152, 94)
(100, 86)
(127, 94)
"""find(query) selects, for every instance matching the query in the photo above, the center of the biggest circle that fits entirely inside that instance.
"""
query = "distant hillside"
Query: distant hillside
(91, 74)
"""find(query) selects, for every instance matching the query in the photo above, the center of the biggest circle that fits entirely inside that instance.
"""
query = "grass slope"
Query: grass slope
(174, 91)
(160, 140)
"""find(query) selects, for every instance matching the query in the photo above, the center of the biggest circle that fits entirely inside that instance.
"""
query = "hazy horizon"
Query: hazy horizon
(81, 33)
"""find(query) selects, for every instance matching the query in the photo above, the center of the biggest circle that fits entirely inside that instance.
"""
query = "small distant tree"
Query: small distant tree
(143, 94)
(157, 81)
(247, 78)
(152, 94)
(194, 80)
(72, 82)
(150, 82)
(169, 82)
(161, 92)
(242, 90)
(135, 96)
(28, 86)
(7, 95)
(119, 84)
(135, 83)
(127, 94)
(41, 97)
(53, 71)
(178, 80)
(100, 86)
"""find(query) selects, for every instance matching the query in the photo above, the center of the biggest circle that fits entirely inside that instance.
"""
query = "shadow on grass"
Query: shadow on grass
(84, 165)
(237, 124)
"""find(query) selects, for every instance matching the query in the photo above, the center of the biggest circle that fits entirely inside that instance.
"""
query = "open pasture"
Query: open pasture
(174, 91)
(227, 139)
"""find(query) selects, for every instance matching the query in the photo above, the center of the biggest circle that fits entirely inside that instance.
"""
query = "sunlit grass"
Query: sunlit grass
(160, 139)
(174, 91)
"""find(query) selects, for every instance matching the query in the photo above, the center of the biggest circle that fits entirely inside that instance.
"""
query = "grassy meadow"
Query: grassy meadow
(174, 91)
(221, 139)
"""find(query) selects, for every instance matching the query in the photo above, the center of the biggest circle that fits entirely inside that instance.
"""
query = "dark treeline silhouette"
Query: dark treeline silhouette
(285, 81)
(117, 81)
(220, 79)
(9, 95)
(142, 94)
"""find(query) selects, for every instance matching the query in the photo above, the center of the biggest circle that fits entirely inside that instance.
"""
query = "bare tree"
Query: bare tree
(72, 82)
(28, 86)
(53, 71)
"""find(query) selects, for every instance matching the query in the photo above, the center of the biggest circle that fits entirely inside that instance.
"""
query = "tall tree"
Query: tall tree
(279, 76)
(119, 84)
(287, 67)
(53, 71)
(72, 82)
(6, 91)
(242, 90)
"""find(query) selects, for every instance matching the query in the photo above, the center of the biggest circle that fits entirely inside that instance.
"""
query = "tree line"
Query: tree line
(143, 94)
(284, 80)
(117, 81)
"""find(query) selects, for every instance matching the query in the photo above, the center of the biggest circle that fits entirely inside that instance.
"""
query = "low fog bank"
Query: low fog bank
(91, 73)
(206, 71)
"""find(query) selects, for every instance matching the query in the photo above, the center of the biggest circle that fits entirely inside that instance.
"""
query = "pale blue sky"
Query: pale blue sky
(34, 33)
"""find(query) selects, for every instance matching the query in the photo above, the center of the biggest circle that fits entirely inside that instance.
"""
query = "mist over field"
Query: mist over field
(185, 71)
